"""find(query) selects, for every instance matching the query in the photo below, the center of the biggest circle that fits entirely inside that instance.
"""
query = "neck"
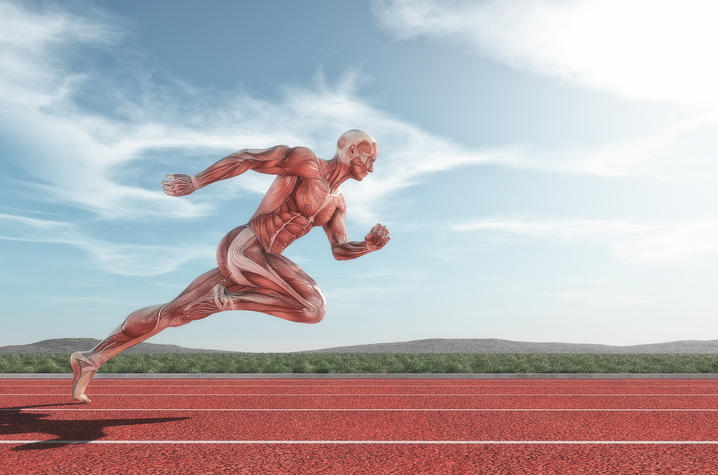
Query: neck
(336, 173)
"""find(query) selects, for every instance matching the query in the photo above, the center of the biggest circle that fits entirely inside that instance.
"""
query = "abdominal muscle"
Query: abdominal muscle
(277, 230)
(276, 234)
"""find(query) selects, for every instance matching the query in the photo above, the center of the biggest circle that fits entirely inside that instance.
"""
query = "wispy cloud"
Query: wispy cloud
(655, 50)
(112, 257)
(586, 43)
(361, 293)
(648, 243)
(77, 155)
(83, 299)
(597, 297)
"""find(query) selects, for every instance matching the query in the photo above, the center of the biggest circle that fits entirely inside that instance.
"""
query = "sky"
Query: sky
(548, 170)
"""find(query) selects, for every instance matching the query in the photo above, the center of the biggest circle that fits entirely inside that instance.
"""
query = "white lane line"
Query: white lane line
(98, 383)
(253, 409)
(381, 394)
(387, 442)
(203, 383)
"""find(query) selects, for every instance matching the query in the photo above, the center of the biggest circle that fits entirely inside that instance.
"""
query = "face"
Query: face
(362, 163)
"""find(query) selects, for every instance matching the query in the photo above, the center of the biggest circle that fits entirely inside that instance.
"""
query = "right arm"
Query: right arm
(279, 160)
(342, 248)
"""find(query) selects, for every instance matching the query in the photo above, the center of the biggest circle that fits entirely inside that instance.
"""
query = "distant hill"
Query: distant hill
(434, 345)
(69, 345)
(440, 345)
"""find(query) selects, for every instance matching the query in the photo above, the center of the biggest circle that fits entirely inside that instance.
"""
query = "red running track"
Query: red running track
(364, 426)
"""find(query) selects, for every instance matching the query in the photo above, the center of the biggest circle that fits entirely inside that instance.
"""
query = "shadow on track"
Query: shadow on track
(14, 421)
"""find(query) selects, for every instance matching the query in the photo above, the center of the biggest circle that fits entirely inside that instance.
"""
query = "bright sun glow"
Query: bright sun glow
(655, 50)
(644, 49)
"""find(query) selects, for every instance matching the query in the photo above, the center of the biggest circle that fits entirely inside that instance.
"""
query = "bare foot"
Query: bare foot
(82, 372)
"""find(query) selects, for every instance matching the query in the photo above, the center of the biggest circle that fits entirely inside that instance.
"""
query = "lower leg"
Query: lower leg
(193, 303)
(137, 327)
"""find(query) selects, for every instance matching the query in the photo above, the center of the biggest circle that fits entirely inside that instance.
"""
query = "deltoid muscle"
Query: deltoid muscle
(251, 272)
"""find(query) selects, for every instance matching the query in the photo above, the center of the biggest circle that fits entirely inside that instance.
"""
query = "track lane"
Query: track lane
(55, 421)
(109, 389)
(342, 425)
(415, 459)
(108, 379)
(226, 401)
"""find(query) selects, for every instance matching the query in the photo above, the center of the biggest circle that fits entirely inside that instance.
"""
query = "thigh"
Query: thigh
(243, 259)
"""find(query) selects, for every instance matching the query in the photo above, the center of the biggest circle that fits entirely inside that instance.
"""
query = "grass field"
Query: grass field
(371, 363)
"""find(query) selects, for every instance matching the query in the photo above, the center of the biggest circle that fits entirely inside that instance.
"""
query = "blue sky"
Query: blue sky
(547, 169)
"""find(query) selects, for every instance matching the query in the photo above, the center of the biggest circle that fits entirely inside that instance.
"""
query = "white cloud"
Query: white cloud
(655, 243)
(601, 298)
(29, 43)
(646, 50)
(112, 257)
(640, 49)
(76, 155)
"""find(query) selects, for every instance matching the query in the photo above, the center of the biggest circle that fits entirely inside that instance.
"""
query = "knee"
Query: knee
(314, 313)
(140, 322)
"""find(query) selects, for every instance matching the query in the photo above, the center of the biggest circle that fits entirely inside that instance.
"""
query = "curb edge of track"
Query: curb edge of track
(368, 376)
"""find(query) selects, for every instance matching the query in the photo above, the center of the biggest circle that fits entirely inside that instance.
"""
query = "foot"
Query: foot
(82, 371)
(222, 298)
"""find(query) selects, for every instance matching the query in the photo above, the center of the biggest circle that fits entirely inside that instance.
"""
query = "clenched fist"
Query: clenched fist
(377, 237)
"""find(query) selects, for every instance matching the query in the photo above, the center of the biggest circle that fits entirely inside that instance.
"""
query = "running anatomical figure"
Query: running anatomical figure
(251, 273)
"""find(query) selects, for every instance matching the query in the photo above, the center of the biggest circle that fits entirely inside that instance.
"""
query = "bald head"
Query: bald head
(363, 143)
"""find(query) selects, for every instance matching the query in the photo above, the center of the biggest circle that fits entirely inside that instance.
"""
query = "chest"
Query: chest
(313, 199)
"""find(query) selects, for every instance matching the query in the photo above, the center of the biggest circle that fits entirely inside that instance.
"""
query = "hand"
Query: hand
(178, 185)
(377, 237)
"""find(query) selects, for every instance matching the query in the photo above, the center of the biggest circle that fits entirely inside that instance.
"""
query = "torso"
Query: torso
(292, 207)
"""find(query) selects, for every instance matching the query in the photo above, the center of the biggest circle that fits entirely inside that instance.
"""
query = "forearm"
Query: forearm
(227, 167)
(350, 250)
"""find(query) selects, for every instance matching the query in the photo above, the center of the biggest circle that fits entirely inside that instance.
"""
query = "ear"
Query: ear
(352, 150)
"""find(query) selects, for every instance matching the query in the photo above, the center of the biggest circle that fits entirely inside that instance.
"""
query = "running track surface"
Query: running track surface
(361, 426)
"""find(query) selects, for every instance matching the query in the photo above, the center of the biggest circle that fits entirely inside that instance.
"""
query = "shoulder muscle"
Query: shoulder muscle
(301, 161)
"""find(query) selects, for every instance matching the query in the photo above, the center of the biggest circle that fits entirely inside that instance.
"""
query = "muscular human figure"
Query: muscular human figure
(251, 273)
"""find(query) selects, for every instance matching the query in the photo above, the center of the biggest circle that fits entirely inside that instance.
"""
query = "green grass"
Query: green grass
(370, 363)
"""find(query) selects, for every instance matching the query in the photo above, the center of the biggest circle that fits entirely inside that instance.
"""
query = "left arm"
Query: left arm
(279, 160)
(342, 248)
